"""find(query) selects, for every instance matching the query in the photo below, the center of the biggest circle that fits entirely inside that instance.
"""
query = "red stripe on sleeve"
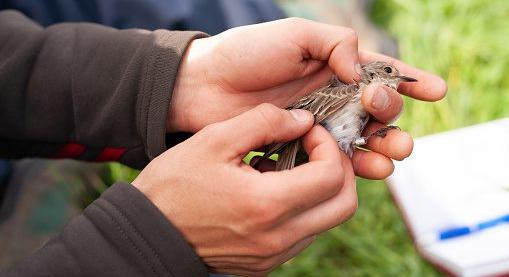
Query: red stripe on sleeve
(110, 154)
(69, 151)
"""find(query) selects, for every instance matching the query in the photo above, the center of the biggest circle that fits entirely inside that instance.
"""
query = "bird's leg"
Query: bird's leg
(382, 132)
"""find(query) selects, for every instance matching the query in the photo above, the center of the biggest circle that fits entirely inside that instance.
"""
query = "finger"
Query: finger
(372, 165)
(291, 91)
(283, 94)
(263, 165)
(329, 213)
(429, 87)
(311, 183)
(384, 103)
(265, 124)
(335, 44)
(396, 145)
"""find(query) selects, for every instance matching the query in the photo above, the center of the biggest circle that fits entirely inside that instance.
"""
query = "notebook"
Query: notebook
(453, 193)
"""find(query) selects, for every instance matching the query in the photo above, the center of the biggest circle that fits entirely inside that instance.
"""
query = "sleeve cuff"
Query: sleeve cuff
(158, 82)
(154, 242)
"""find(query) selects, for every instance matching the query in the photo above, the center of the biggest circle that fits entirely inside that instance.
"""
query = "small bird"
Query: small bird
(337, 107)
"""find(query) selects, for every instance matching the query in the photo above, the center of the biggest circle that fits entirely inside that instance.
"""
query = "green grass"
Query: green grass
(465, 42)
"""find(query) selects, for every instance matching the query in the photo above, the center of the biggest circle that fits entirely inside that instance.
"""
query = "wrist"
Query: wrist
(185, 91)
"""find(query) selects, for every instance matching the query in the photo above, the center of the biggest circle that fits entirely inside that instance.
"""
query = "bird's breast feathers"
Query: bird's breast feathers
(346, 125)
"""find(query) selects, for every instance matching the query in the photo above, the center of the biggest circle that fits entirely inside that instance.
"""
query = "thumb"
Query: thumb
(382, 102)
(263, 125)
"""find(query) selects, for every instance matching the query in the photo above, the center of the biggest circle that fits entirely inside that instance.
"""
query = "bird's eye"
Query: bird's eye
(388, 69)
(372, 75)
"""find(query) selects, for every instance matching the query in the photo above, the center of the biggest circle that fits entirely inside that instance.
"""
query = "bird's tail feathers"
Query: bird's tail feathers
(287, 157)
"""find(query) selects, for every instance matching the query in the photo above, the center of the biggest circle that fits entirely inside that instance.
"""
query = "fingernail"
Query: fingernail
(380, 99)
(300, 115)
(358, 68)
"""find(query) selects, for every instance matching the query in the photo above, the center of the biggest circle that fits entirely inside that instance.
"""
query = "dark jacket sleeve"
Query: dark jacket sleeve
(95, 93)
(120, 234)
(85, 91)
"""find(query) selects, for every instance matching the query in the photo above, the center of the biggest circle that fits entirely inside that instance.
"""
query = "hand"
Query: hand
(279, 62)
(240, 220)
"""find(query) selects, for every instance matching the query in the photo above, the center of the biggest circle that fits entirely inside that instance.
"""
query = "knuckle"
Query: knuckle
(332, 177)
(270, 116)
(212, 131)
(213, 135)
(380, 145)
(351, 33)
(263, 213)
(271, 245)
(268, 110)
(296, 20)
(337, 174)
(351, 207)
(261, 210)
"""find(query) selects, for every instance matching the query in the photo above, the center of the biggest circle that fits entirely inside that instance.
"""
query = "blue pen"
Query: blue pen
(466, 230)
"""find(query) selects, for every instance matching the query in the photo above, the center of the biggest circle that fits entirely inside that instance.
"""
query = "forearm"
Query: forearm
(120, 234)
(85, 91)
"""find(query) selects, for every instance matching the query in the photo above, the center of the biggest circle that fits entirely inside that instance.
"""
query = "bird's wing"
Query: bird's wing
(326, 101)
(322, 103)
(286, 159)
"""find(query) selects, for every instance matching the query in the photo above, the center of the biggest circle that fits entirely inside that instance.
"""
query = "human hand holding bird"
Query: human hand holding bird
(238, 218)
(279, 63)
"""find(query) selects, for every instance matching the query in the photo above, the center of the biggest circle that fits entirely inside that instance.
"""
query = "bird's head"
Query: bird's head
(384, 73)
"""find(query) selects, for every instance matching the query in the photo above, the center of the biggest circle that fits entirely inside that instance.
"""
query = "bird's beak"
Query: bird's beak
(407, 79)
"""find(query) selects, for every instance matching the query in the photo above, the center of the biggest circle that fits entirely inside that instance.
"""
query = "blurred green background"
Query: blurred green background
(464, 41)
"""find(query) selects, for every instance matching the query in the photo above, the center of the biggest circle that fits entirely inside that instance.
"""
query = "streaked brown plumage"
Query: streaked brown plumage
(337, 106)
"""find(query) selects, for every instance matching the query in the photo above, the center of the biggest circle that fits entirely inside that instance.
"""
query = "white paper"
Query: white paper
(457, 178)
